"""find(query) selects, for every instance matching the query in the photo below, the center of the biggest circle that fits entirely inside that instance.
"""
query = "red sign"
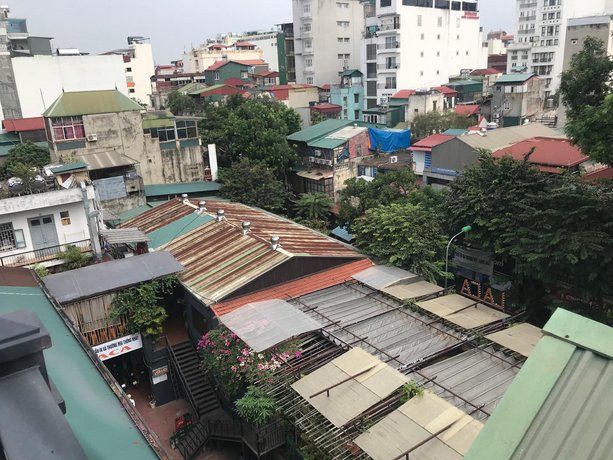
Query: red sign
(470, 15)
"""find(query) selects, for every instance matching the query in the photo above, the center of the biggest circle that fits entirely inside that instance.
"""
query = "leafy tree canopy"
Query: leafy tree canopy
(360, 195)
(182, 104)
(557, 228)
(586, 92)
(404, 235)
(425, 124)
(253, 128)
(27, 154)
(253, 183)
(314, 206)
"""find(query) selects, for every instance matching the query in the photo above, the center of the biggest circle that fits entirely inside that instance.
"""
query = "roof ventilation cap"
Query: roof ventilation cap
(275, 242)
(246, 227)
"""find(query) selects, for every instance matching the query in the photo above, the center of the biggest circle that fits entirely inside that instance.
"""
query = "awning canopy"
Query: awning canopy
(124, 235)
(417, 421)
(521, 338)
(381, 276)
(98, 279)
(464, 312)
(412, 290)
(315, 174)
(356, 381)
(262, 325)
(104, 160)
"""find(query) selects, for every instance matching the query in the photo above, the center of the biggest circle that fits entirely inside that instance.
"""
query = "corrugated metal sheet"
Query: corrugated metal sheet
(103, 160)
(124, 235)
(263, 325)
(219, 260)
(381, 276)
(110, 188)
(502, 137)
(160, 216)
(575, 420)
(172, 230)
(97, 279)
(298, 287)
(181, 187)
(91, 102)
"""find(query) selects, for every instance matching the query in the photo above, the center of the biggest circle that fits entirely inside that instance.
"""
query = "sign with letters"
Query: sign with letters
(118, 346)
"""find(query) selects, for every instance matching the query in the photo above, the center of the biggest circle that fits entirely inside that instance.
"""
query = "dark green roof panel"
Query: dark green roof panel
(182, 187)
(91, 103)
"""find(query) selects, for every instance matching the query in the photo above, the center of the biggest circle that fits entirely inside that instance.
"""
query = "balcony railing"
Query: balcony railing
(42, 255)
(527, 18)
(527, 5)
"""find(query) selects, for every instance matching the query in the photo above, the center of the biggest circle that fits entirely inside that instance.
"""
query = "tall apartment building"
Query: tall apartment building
(414, 44)
(541, 27)
(327, 39)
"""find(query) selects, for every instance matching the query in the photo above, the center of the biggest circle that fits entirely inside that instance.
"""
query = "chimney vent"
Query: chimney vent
(220, 215)
(246, 227)
(274, 242)
(184, 196)
(202, 205)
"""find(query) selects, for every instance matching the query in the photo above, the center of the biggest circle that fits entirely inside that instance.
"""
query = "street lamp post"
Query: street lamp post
(465, 229)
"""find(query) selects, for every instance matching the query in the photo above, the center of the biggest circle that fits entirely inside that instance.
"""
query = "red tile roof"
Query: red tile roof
(252, 62)
(298, 287)
(445, 90)
(281, 92)
(217, 46)
(223, 90)
(326, 107)
(243, 44)
(549, 153)
(602, 173)
(235, 81)
(325, 87)
(488, 71)
(269, 74)
(427, 143)
(467, 109)
(217, 65)
(17, 125)
(403, 94)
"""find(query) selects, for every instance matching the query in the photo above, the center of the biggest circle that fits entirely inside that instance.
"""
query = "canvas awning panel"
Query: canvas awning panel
(376, 381)
(464, 312)
(381, 276)
(124, 235)
(416, 421)
(521, 338)
(98, 279)
(262, 325)
(412, 290)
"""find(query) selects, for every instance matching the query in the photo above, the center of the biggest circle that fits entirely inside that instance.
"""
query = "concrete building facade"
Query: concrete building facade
(517, 98)
(349, 95)
(327, 39)
(541, 33)
(420, 44)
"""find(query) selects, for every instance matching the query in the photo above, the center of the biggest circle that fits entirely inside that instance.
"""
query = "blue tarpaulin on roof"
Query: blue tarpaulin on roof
(389, 141)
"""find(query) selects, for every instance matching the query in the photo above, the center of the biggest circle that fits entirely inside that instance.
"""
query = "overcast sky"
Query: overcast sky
(100, 25)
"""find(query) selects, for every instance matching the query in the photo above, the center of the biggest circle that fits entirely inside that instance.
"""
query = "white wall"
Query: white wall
(267, 42)
(18, 210)
(41, 79)
(142, 70)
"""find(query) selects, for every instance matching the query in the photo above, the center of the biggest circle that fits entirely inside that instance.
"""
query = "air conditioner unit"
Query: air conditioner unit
(312, 159)
(327, 162)
(393, 159)
(317, 153)
(92, 137)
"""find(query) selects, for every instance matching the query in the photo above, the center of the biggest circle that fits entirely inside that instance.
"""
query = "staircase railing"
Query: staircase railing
(182, 379)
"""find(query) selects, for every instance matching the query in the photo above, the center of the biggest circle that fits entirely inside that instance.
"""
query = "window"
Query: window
(165, 134)
(440, 21)
(343, 24)
(131, 90)
(438, 36)
(421, 73)
(306, 7)
(416, 110)
(346, 39)
(384, 3)
(11, 239)
(419, 20)
(128, 69)
(186, 129)
(306, 27)
(544, 16)
(438, 54)
(421, 36)
(438, 72)
(308, 43)
(390, 42)
(506, 105)
(66, 128)
(344, 101)
(244, 74)
(371, 51)
(65, 217)
(356, 98)
(390, 63)
(339, 39)
(309, 80)
(309, 62)
(216, 76)
(457, 23)
(322, 185)
(390, 82)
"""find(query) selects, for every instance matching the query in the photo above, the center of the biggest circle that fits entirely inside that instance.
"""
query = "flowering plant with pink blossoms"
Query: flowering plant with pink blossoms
(235, 365)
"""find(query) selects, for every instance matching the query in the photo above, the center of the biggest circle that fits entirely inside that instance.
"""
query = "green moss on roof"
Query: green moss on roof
(97, 418)
(182, 187)
(90, 103)
(177, 228)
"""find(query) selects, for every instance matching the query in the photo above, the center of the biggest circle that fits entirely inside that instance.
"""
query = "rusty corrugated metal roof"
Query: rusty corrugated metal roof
(219, 259)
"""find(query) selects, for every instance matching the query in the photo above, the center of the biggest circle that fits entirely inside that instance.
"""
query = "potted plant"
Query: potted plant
(256, 407)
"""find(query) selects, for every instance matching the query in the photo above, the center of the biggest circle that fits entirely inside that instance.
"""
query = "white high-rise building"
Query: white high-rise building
(413, 44)
(327, 39)
(540, 35)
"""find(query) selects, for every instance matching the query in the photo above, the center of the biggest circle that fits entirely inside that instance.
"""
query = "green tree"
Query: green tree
(428, 123)
(557, 229)
(314, 206)
(28, 154)
(586, 92)
(182, 104)
(253, 183)
(404, 235)
(316, 117)
(386, 188)
(253, 128)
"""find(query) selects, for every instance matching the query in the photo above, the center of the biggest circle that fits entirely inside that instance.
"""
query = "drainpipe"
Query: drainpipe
(92, 224)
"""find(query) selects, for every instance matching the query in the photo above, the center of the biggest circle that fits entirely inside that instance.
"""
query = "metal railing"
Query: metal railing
(42, 255)
(174, 363)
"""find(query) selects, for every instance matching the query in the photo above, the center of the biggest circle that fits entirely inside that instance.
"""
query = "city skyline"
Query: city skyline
(79, 30)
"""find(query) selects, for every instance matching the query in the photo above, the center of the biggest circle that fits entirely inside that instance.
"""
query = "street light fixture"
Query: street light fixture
(465, 229)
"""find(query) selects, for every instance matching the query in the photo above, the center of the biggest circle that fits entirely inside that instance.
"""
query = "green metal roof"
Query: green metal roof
(514, 78)
(177, 228)
(158, 119)
(454, 132)
(319, 130)
(181, 187)
(206, 89)
(6, 148)
(91, 102)
(9, 138)
(69, 167)
(464, 83)
(350, 72)
(327, 143)
(94, 413)
(559, 406)
(131, 213)
(185, 89)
